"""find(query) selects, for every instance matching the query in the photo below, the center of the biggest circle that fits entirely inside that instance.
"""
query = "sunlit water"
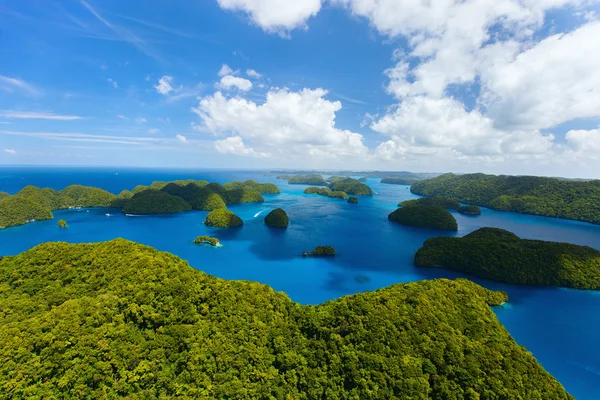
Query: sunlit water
(559, 326)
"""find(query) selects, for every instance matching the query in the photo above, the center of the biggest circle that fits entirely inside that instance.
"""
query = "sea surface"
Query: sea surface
(559, 326)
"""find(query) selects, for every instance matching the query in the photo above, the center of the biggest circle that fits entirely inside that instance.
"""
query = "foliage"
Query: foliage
(432, 201)
(121, 199)
(263, 188)
(313, 180)
(207, 200)
(501, 256)
(155, 202)
(353, 200)
(326, 192)
(48, 198)
(122, 320)
(222, 218)
(322, 251)
(240, 196)
(207, 240)
(159, 185)
(395, 180)
(363, 179)
(15, 210)
(3, 195)
(424, 217)
(277, 218)
(284, 177)
(469, 210)
(62, 223)
(577, 200)
(86, 196)
(351, 186)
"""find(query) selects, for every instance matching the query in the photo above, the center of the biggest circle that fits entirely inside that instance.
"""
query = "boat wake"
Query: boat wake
(258, 213)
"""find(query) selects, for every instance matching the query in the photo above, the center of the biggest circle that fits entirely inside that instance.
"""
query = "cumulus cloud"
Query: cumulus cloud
(287, 123)
(11, 151)
(275, 15)
(235, 145)
(164, 85)
(229, 81)
(226, 70)
(253, 74)
(584, 141)
(181, 138)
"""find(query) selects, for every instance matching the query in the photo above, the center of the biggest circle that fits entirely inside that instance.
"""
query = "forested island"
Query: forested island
(313, 180)
(320, 251)
(353, 200)
(122, 320)
(214, 242)
(443, 202)
(502, 256)
(424, 216)
(335, 183)
(550, 197)
(326, 192)
(277, 218)
(398, 181)
(469, 210)
(35, 204)
(223, 218)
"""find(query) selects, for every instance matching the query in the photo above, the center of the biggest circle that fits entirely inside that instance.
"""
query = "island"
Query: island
(320, 251)
(35, 204)
(396, 180)
(122, 320)
(277, 218)
(550, 197)
(469, 210)
(62, 223)
(451, 204)
(353, 200)
(433, 217)
(350, 186)
(502, 256)
(363, 179)
(211, 241)
(326, 192)
(222, 218)
(313, 180)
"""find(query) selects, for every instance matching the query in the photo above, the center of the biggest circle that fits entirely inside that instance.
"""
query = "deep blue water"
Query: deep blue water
(559, 326)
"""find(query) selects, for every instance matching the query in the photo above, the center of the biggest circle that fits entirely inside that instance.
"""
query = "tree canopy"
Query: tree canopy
(222, 218)
(452, 204)
(396, 180)
(277, 218)
(350, 186)
(155, 202)
(314, 180)
(122, 320)
(433, 217)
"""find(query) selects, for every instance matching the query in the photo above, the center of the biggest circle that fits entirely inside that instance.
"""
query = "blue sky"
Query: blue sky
(503, 86)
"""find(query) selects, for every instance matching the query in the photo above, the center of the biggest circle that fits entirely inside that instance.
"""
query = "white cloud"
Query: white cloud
(121, 116)
(113, 83)
(253, 74)
(164, 85)
(11, 85)
(229, 81)
(181, 138)
(582, 141)
(154, 131)
(85, 137)
(226, 70)
(275, 15)
(11, 151)
(38, 115)
(287, 123)
(141, 120)
(235, 145)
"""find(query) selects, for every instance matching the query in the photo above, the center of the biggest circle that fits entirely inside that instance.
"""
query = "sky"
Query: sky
(495, 86)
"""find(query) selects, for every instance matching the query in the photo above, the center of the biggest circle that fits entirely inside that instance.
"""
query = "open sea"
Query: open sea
(559, 326)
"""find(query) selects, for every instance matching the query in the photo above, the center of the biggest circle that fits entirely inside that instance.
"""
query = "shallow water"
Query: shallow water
(557, 325)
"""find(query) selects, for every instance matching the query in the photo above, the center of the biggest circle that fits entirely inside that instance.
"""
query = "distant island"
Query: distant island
(35, 204)
(207, 240)
(451, 204)
(353, 200)
(550, 197)
(469, 210)
(122, 320)
(62, 223)
(394, 180)
(502, 256)
(223, 218)
(320, 251)
(282, 174)
(433, 217)
(313, 180)
(335, 183)
(326, 192)
(277, 218)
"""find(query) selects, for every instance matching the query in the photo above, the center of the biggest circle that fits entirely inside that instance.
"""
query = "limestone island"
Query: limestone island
(313, 180)
(433, 217)
(277, 218)
(395, 180)
(62, 223)
(469, 210)
(350, 186)
(326, 192)
(222, 218)
(122, 320)
(320, 251)
(502, 256)
(207, 240)
(443, 202)
(353, 200)
(150, 202)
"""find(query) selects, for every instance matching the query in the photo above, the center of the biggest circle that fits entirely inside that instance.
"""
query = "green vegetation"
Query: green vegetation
(122, 320)
(363, 179)
(48, 198)
(3, 195)
(577, 200)
(15, 210)
(314, 180)
(432, 201)
(155, 202)
(121, 199)
(502, 256)
(284, 177)
(469, 210)
(240, 196)
(262, 188)
(394, 180)
(207, 240)
(320, 251)
(433, 217)
(62, 223)
(222, 218)
(85, 196)
(207, 200)
(326, 192)
(353, 200)
(277, 218)
(350, 186)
